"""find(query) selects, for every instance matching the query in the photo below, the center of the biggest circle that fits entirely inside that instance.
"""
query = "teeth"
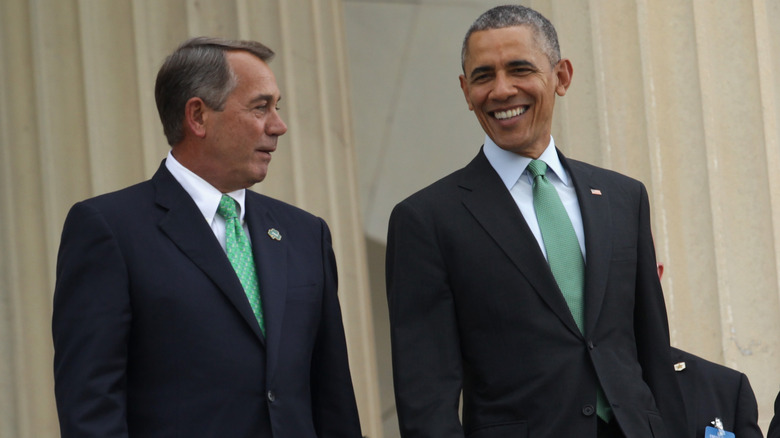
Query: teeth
(501, 115)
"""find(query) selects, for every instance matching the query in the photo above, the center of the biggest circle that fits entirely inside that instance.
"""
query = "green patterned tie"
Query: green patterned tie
(563, 254)
(560, 241)
(239, 252)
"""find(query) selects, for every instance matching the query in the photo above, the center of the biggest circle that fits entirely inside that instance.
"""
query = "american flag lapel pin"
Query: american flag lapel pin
(596, 192)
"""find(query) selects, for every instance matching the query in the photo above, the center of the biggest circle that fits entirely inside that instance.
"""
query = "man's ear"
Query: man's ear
(563, 73)
(464, 85)
(195, 115)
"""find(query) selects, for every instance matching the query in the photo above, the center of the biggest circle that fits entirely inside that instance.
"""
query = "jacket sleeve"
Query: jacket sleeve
(746, 416)
(90, 326)
(427, 364)
(652, 330)
(774, 425)
(333, 398)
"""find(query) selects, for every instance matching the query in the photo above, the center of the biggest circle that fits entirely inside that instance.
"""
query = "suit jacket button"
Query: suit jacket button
(588, 410)
(271, 396)
(590, 345)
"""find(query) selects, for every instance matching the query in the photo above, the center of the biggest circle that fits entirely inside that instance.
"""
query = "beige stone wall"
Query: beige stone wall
(681, 94)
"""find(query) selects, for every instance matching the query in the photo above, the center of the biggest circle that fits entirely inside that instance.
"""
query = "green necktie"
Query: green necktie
(239, 252)
(563, 254)
(560, 241)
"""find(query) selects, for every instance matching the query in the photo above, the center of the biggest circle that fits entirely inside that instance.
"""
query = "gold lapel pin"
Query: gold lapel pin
(274, 234)
(679, 366)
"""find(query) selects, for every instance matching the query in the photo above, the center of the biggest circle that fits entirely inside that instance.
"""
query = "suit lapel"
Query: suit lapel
(485, 196)
(196, 240)
(687, 380)
(594, 208)
(271, 262)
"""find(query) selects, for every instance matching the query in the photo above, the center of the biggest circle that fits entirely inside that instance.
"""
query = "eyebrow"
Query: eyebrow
(261, 97)
(482, 69)
(516, 63)
(521, 63)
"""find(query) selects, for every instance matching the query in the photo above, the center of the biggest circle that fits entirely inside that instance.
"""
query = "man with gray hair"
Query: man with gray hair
(189, 306)
(526, 282)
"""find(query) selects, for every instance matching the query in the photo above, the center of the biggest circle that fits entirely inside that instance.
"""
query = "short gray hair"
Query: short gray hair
(516, 15)
(198, 68)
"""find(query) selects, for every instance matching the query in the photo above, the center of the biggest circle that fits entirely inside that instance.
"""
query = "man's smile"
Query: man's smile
(508, 114)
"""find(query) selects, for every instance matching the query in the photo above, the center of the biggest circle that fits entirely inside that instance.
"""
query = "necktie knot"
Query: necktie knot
(227, 208)
(537, 168)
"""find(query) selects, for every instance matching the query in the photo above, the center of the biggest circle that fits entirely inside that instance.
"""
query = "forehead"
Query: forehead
(503, 44)
(251, 72)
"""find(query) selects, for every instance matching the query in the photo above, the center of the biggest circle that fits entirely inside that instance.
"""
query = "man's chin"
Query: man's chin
(260, 176)
(525, 149)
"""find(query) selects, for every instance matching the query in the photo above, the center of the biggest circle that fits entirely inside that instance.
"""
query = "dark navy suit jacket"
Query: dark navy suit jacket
(154, 336)
(712, 390)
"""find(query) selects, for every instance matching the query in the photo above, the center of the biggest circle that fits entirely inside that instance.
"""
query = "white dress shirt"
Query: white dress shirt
(512, 168)
(206, 197)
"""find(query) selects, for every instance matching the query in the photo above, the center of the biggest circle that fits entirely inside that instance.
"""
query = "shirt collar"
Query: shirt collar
(205, 195)
(510, 166)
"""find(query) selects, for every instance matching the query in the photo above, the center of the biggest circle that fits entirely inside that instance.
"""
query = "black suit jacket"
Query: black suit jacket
(473, 304)
(712, 390)
(774, 426)
(154, 336)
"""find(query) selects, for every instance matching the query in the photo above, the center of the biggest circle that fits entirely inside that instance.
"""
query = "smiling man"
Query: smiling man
(189, 306)
(527, 281)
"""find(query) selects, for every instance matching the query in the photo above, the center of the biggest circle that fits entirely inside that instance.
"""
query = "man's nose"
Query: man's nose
(276, 125)
(504, 88)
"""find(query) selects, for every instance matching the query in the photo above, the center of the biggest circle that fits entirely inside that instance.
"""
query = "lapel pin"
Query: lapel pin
(679, 366)
(274, 234)
(596, 192)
